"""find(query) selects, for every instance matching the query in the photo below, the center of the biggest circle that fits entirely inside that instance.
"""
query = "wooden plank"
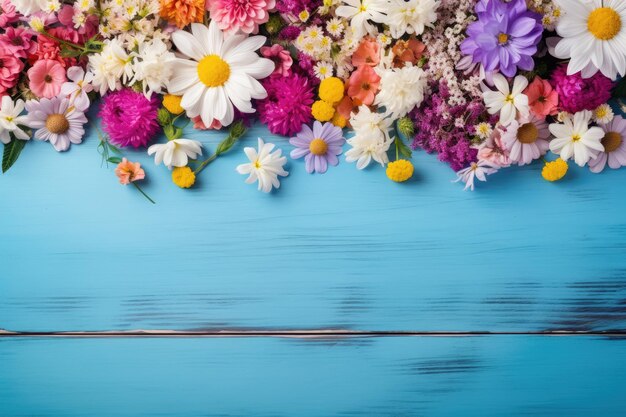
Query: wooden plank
(396, 376)
(344, 250)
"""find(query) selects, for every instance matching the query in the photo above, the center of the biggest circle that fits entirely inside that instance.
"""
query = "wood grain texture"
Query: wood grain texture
(344, 250)
(401, 376)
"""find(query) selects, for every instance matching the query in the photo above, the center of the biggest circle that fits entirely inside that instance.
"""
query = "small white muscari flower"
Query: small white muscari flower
(603, 114)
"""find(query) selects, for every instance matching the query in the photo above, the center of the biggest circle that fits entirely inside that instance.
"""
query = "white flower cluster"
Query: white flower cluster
(132, 21)
(313, 42)
(548, 9)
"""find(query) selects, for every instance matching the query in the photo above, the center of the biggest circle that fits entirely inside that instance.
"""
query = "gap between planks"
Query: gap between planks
(305, 334)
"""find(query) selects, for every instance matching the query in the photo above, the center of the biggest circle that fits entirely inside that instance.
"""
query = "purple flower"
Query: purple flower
(577, 93)
(56, 121)
(288, 104)
(319, 146)
(129, 118)
(505, 37)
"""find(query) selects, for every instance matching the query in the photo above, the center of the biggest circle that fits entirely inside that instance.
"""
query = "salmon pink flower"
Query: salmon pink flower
(368, 53)
(542, 98)
(363, 85)
(128, 171)
(46, 78)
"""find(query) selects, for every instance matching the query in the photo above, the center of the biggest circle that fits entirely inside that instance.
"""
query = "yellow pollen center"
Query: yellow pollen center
(9, 118)
(576, 138)
(257, 164)
(318, 147)
(604, 23)
(362, 8)
(503, 38)
(509, 99)
(528, 133)
(57, 123)
(611, 141)
(213, 71)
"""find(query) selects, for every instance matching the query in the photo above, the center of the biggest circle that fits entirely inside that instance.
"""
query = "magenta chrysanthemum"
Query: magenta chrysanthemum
(577, 93)
(240, 15)
(288, 104)
(129, 118)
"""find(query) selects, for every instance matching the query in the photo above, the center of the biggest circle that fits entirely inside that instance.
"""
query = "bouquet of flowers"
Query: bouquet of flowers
(484, 84)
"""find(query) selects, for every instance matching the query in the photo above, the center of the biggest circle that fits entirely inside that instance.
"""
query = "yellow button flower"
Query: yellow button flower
(322, 111)
(554, 170)
(331, 90)
(172, 103)
(183, 177)
(400, 170)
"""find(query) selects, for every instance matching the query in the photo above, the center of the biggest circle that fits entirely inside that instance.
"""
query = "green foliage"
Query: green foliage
(12, 151)
(403, 149)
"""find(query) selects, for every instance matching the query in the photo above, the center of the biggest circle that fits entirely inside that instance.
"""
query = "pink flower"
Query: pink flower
(8, 14)
(577, 93)
(542, 98)
(10, 69)
(494, 151)
(240, 15)
(363, 85)
(368, 53)
(199, 124)
(281, 57)
(46, 78)
(614, 143)
(128, 171)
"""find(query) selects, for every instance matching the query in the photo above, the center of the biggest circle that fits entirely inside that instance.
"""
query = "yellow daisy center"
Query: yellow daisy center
(213, 71)
(604, 23)
(318, 147)
(503, 38)
(509, 99)
(576, 138)
(528, 133)
(611, 141)
(257, 164)
(57, 123)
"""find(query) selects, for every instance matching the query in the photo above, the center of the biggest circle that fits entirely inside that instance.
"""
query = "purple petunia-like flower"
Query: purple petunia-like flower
(505, 37)
(319, 146)
(129, 118)
(288, 104)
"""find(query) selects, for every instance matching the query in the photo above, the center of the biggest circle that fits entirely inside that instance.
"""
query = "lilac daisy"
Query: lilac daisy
(319, 146)
(505, 37)
(614, 143)
(56, 121)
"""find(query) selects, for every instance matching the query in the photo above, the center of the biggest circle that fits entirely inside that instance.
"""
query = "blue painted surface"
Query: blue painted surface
(347, 249)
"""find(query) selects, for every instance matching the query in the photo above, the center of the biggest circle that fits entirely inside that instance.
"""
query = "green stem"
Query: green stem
(142, 192)
(205, 163)
(396, 142)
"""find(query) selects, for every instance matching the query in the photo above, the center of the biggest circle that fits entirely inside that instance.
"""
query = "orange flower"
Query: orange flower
(128, 171)
(182, 12)
(407, 51)
(368, 53)
(363, 85)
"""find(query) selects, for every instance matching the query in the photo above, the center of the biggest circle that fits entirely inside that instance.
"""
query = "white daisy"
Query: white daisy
(176, 152)
(371, 139)
(594, 36)
(575, 138)
(265, 166)
(411, 16)
(603, 114)
(483, 130)
(478, 170)
(401, 89)
(614, 142)
(219, 74)
(359, 12)
(505, 101)
(11, 121)
(526, 139)
(323, 70)
(335, 27)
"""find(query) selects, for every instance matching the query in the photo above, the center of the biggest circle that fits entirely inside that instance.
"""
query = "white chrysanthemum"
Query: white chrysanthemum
(265, 166)
(505, 101)
(11, 121)
(401, 89)
(28, 7)
(153, 66)
(371, 138)
(335, 26)
(220, 74)
(176, 152)
(603, 114)
(360, 12)
(483, 130)
(111, 67)
(411, 16)
(323, 70)
(594, 36)
(574, 138)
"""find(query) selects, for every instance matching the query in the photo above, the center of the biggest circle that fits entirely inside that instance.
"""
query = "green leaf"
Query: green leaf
(236, 131)
(405, 151)
(12, 151)
(114, 149)
(114, 160)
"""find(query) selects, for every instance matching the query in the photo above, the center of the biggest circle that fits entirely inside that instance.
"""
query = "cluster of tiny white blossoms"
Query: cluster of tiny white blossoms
(315, 43)
(132, 21)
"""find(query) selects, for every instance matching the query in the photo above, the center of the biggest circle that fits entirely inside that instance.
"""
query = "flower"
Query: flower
(603, 114)
(322, 111)
(554, 170)
(331, 90)
(240, 15)
(335, 26)
(281, 58)
(28, 7)
(409, 51)
(363, 85)
(129, 118)
(8, 14)
(542, 98)
(110, 67)
(17, 42)
(483, 130)
(152, 66)
(172, 104)
(504, 37)
(46, 78)
(400, 170)
(594, 37)
(494, 151)
(11, 121)
(319, 146)
(128, 171)
(504, 101)
(577, 93)
(401, 89)
(288, 104)
(218, 73)
(56, 121)
(411, 16)
(183, 177)
(575, 138)
(614, 143)
(182, 12)
(175, 152)
(526, 139)
(360, 12)
(78, 87)
(323, 70)
(478, 170)
(371, 138)
(10, 69)
(265, 166)
(367, 53)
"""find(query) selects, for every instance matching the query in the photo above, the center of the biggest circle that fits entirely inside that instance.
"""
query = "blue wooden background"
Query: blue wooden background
(324, 256)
